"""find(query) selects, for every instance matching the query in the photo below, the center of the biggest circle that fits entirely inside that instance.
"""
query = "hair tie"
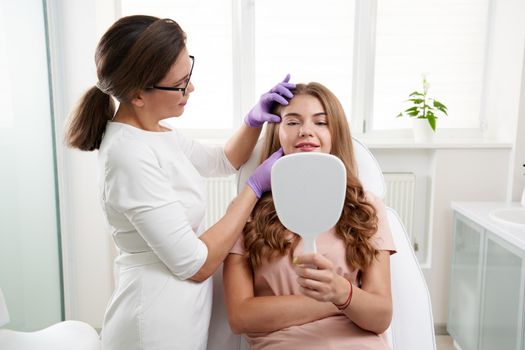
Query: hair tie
(98, 85)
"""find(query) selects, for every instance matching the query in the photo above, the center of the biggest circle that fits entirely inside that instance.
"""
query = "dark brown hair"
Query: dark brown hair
(134, 53)
(264, 235)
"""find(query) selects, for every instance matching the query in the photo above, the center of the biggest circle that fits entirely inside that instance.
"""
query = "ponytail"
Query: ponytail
(88, 121)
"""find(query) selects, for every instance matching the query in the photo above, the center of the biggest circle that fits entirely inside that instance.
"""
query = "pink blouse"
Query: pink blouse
(277, 277)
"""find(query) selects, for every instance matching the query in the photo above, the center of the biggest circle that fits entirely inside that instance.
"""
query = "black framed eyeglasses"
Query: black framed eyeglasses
(171, 88)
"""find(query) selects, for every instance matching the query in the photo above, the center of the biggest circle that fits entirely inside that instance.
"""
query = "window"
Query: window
(371, 54)
(443, 39)
(208, 26)
(311, 40)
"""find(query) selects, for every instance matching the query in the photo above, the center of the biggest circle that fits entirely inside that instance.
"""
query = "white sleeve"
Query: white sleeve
(137, 187)
(208, 160)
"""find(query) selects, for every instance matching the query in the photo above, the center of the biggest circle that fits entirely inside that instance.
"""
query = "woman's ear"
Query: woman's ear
(138, 100)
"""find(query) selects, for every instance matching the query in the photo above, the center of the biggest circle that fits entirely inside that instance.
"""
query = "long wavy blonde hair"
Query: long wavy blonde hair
(266, 238)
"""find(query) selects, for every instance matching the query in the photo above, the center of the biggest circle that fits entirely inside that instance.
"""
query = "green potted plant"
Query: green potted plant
(424, 112)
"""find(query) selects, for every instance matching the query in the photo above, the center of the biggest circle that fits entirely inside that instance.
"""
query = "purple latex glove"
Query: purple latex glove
(260, 181)
(260, 113)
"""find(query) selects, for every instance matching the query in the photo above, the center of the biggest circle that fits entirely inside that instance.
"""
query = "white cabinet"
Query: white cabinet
(502, 299)
(486, 289)
(465, 284)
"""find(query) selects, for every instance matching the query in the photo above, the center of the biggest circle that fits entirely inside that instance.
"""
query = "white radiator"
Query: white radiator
(221, 191)
(400, 195)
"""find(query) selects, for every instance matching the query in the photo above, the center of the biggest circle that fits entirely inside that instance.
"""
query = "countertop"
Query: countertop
(479, 213)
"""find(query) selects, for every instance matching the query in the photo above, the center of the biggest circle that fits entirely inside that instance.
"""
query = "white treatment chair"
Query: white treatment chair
(412, 326)
(67, 335)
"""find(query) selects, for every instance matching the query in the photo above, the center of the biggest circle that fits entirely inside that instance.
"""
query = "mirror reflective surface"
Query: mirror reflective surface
(308, 191)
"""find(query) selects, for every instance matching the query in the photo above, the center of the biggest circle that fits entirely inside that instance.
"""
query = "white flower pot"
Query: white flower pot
(422, 130)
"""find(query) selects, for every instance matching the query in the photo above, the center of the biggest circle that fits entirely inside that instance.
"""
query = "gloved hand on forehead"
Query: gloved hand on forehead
(260, 113)
(260, 181)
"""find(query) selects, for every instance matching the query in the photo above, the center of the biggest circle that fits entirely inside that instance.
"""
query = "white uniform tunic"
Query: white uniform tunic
(153, 195)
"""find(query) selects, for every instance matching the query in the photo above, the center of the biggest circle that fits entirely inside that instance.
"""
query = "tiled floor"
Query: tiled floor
(444, 342)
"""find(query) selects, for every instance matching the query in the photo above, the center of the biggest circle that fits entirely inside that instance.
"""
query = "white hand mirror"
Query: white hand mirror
(308, 191)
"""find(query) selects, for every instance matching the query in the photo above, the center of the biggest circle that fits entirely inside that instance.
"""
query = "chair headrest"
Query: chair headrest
(369, 171)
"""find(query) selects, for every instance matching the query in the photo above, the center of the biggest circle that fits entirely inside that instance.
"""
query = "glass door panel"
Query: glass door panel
(463, 320)
(30, 275)
(502, 296)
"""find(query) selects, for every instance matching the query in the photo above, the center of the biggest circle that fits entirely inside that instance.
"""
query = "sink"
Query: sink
(513, 216)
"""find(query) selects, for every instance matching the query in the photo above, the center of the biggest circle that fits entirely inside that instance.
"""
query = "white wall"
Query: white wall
(505, 94)
(516, 165)
(87, 250)
(504, 67)
(459, 174)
